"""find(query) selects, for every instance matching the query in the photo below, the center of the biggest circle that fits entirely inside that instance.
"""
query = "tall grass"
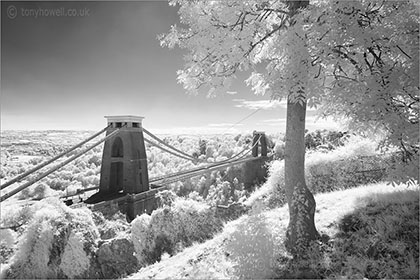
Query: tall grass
(379, 239)
(356, 163)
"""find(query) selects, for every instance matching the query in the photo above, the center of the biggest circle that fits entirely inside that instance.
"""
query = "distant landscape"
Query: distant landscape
(41, 237)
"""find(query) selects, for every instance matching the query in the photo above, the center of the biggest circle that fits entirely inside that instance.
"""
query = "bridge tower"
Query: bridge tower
(124, 160)
(124, 175)
(256, 171)
(259, 136)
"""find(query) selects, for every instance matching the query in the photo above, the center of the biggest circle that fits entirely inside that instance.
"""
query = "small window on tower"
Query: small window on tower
(118, 124)
(135, 124)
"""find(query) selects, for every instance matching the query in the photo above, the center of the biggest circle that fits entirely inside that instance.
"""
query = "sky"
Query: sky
(67, 71)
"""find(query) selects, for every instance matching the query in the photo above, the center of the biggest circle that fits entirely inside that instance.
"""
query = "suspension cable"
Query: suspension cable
(246, 149)
(241, 120)
(166, 144)
(214, 164)
(235, 124)
(168, 151)
(200, 145)
(36, 168)
(45, 174)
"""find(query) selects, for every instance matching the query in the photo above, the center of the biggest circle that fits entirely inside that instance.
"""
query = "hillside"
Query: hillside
(252, 246)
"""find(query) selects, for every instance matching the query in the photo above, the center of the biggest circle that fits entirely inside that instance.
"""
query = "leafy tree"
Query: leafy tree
(327, 52)
(370, 62)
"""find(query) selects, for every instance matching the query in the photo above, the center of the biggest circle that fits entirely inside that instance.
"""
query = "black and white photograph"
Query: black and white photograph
(210, 139)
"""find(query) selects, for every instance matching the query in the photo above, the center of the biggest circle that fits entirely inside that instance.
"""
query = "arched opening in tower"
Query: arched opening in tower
(117, 167)
(117, 148)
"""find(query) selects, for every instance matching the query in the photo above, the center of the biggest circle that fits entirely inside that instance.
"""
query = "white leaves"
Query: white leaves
(221, 41)
(171, 39)
(74, 260)
(357, 58)
(258, 83)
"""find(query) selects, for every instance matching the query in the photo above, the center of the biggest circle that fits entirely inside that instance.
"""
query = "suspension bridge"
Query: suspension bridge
(124, 178)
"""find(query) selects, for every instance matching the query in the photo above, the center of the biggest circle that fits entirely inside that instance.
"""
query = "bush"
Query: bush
(354, 164)
(279, 149)
(172, 228)
(56, 244)
(345, 173)
(37, 192)
(111, 226)
(16, 218)
(325, 138)
(271, 193)
(7, 241)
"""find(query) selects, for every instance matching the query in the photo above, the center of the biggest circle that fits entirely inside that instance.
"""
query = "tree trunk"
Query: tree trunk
(301, 229)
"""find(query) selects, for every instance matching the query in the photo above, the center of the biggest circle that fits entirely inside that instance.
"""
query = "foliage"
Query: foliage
(279, 149)
(356, 163)
(369, 50)
(37, 192)
(326, 139)
(353, 59)
(225, 192)
(271, 193)
(16, 218)
(172, 228)
(84, 172)
(54, 233)
(379, 239)
(74, 261)
(7, 240)
(110, 226)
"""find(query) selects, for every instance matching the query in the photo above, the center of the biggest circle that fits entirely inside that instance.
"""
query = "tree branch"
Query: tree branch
(14, 228)
(268, 35)
(404, 52)
(345, 55)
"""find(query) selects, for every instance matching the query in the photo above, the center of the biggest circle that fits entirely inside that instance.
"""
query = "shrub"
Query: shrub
(95, 159)
(74, 261)
(279, 149)
(16, 218)
(271, 193)
(56, 244)
(348, 166)
(172, 228)
(7, 241)
(37, 192)
(325, 138)
(165, 198)
(356, 163)
(111, 225)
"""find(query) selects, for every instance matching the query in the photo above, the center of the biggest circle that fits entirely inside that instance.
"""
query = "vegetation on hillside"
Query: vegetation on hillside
(46, 236)
(251, 246)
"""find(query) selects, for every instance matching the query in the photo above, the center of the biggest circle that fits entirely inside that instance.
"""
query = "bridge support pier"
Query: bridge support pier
(124, 167)
(256, 171)
(137, 204)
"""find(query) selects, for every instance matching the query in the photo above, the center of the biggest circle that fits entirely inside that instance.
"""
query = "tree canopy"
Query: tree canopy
(357, 59)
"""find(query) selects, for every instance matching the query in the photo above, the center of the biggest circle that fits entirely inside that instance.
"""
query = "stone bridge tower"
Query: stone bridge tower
(124, 183)
(124, 160)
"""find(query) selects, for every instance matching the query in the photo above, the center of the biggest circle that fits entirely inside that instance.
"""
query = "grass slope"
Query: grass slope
(252, 246)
